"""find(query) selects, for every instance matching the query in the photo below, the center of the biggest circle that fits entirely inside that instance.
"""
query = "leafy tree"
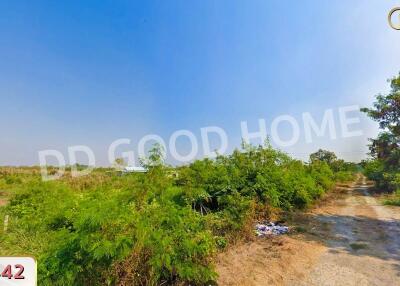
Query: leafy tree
(156, 157)
(386, 109)
(324, 156)
(386, 148)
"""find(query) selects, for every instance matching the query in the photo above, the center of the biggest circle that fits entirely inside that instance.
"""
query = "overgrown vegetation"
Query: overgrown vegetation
(160, 227)
(384, 165)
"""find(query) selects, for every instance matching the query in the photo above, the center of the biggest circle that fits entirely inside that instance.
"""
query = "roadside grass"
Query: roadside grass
(392, 201)
(358, 246)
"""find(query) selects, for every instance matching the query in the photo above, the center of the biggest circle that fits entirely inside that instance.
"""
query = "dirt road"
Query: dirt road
(353, 240)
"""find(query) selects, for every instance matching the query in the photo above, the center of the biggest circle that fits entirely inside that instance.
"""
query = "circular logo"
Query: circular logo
(393, 22)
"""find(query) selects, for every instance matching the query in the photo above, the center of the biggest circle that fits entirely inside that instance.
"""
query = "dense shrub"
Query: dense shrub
(160, 227)
(394, 184)
(322, 174)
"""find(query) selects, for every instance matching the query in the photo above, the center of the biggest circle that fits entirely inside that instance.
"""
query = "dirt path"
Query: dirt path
(352, 241)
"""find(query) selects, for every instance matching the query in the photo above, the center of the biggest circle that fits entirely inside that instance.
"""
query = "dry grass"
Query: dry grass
(273, 261)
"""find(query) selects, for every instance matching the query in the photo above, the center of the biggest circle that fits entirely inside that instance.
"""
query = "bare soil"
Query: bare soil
(349, 239)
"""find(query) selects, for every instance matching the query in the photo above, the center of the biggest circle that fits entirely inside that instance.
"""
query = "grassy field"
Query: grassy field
(163, 226)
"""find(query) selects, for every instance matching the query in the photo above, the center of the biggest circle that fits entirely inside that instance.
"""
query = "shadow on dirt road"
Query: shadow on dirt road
(362, 239)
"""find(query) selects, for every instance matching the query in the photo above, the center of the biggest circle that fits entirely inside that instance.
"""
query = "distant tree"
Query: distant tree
(324, 156)
(119, 163)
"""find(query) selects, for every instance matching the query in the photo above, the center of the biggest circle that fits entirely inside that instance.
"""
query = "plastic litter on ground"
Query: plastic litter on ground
(270, 228)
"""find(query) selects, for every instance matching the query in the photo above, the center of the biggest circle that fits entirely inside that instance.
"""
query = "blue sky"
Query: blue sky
(90, 72)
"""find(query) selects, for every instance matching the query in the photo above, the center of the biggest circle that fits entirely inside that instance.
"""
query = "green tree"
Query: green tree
(386, 148)
(324, 156)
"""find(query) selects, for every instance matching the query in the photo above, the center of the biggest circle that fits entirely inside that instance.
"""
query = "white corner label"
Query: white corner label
(17, 271)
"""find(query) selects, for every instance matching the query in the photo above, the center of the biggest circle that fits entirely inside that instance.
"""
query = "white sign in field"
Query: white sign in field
(17, 271)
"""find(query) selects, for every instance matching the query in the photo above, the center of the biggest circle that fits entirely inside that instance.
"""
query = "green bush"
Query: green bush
(374, 170)
(322, 174)
(147, 229)
(393, 200)
(344, 176)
